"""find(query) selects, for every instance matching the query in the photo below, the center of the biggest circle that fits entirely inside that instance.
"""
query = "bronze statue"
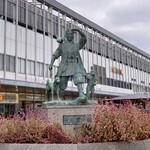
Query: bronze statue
(92, 81)
(71, 64)
(51, 87)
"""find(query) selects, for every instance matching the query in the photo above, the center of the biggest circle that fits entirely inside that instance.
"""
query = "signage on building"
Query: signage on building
(1, 97)
(117, 71)
(8, 98)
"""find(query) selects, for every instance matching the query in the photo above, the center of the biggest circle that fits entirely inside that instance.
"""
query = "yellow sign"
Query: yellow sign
(1, 97)
(8, 98)
(118, 71)
(114, 69)
(121, 71)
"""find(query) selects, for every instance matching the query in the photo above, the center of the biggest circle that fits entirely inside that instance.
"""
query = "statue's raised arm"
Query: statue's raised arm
(83, 38)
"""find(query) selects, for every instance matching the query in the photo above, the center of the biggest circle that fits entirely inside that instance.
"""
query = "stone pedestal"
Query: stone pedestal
(69, 117)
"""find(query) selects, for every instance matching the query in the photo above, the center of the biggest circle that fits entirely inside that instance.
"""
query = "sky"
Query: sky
(128, 19)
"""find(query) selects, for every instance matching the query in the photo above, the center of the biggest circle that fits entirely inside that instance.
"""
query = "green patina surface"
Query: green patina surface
(71, 66)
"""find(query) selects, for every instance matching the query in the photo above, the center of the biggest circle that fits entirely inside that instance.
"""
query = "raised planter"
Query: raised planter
(68, 117)
(137, 145)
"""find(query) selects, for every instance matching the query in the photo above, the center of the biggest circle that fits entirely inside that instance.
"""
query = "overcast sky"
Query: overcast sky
(128, 19)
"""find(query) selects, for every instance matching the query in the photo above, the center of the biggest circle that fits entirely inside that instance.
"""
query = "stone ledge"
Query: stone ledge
(137, 145)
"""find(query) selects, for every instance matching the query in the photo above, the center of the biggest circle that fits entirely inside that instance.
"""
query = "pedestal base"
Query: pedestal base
(77, 101)
(69, 117)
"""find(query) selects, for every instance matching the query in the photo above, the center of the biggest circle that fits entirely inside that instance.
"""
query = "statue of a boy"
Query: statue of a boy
(71, 64)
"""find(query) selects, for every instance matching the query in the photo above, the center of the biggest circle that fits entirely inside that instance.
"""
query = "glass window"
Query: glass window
(104, 81)
(12, 64)
(32, 68)
(22, 69)
(55, 25)
(46, 70)
(40, 69)
(31, 15)
(121, 57)
(104, 71)
(100, 80)
(1, 109)
(28, 67)
(21, 11)
(39, 19)
(11, 9)
(21, 65)
(47, 21)
(121, 84)
(110, 50)
(7, 63)
(115, 83)
(108, 81)
(1, 62)
(2, 7)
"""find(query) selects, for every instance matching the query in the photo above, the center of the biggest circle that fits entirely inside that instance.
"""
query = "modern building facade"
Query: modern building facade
(27, 31)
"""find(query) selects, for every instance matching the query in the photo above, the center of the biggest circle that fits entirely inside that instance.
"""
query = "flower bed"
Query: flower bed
(109, 123)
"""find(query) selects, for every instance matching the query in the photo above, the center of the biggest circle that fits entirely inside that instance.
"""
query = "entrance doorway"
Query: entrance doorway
(7, 109)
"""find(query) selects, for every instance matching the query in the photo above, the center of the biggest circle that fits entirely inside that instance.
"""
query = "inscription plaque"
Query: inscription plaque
(75, 119)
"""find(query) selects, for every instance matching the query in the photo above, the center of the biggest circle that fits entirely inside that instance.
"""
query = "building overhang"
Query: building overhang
(22, 83)
(136, 96)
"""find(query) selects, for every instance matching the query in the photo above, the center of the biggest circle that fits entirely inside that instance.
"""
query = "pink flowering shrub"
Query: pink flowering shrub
(109, 123)
(34, 129)
(116, 123)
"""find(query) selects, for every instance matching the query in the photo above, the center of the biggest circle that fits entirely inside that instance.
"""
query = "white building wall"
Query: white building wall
(36, 47)
(1, 74)
(94, 59)
(30, 78)
(129, 75)
(118, 74)
(148, 79)
(103, 61)
(2, 36)
(85, 53)
(31, 45)
(20, 77)
(55, 46)
(112, 90)
(110, 69)
(90, 61)
(10, 75)
(139, 77)
(48, 50)
(39, 47)
(99, 61)
(21, 48)
(10, 39)
(107, 68)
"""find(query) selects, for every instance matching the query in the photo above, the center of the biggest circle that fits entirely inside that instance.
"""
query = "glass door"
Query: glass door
(2, 114)
(7, 109)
